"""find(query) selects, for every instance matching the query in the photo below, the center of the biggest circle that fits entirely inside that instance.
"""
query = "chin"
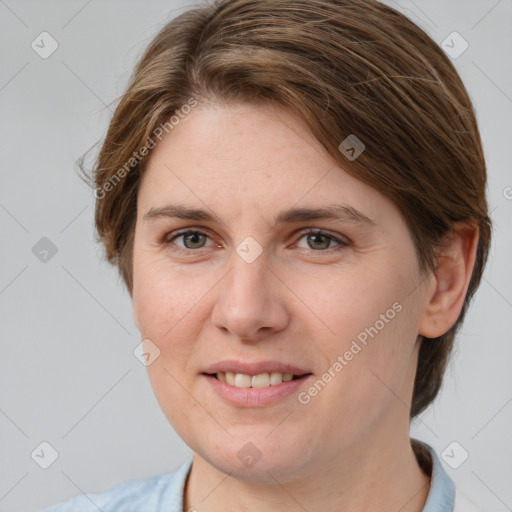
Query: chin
(256, 456)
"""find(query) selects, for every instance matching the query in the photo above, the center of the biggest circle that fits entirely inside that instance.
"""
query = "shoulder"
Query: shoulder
(155, 494)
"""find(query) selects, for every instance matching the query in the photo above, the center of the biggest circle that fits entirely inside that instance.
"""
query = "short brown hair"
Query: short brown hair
(346, 67)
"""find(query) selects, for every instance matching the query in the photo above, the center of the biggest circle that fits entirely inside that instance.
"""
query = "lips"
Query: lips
(255, 375)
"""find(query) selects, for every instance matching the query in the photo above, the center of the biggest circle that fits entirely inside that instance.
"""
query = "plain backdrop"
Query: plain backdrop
(68, 373)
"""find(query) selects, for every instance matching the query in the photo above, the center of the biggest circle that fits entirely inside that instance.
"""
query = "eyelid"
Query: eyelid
(325, 232)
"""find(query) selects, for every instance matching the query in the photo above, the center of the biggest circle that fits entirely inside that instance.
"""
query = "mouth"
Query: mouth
(255, 383)
(260, 380)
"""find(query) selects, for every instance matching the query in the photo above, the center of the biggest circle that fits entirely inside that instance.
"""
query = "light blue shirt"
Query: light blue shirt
(164, 493)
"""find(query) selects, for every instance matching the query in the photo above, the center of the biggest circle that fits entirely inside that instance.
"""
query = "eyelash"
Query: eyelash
(342, 243)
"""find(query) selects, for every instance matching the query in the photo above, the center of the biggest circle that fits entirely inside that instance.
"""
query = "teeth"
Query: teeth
(242, 381)
(262, 380)
(276, 378)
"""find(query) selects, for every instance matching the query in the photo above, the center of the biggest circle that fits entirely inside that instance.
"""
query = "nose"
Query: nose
(250, 303)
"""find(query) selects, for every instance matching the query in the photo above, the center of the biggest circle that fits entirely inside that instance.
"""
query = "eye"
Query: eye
(192, 239)
(318, 240)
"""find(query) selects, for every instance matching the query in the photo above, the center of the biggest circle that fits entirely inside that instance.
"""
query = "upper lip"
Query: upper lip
(255, 368)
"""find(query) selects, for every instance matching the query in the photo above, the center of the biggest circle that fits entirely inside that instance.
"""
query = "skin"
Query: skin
(302, 301)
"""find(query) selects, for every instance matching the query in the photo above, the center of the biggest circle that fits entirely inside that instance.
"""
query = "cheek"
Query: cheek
(161, 314)
(374, 317)
(162, 297)
(163, 307)
(371, 367)
(358, 303)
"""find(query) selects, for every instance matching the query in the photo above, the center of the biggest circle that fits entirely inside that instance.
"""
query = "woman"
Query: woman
(294, 194)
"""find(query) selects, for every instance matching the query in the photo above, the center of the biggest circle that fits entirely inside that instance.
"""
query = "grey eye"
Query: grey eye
(318, 241)
(193, 240)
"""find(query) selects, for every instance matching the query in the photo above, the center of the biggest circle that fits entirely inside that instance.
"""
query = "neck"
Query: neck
(376, 476)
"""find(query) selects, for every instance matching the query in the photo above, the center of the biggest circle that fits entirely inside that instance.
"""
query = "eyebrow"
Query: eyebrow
(338, 212)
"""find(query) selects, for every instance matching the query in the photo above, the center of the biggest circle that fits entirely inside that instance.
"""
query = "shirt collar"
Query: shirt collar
(441, 496)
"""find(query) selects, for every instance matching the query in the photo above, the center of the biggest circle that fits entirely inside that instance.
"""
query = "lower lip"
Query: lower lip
(255, 397)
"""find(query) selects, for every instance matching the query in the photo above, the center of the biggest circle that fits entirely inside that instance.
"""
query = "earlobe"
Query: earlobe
(452, 275)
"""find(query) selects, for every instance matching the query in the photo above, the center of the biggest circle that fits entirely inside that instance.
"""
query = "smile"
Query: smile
(261, 380)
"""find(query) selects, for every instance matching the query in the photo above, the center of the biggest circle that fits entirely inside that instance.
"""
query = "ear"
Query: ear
(450, 280)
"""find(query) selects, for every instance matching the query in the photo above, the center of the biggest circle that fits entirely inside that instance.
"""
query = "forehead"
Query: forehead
(247, 159)
(241, 137)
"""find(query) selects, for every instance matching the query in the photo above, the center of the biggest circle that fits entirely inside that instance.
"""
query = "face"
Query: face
(256, 254)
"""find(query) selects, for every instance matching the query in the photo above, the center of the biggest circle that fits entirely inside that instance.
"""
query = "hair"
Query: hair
(345, 67)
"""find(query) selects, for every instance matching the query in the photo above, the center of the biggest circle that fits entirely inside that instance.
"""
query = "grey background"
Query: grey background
(67, 369)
